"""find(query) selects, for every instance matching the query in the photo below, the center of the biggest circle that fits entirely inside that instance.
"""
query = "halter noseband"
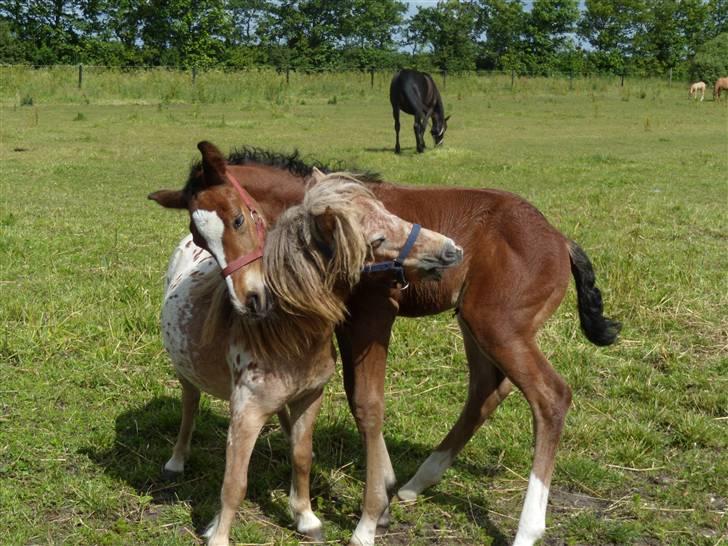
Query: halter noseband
(257, 253)
(396, 264)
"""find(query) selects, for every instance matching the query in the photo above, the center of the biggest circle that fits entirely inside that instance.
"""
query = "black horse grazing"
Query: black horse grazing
(416, 93)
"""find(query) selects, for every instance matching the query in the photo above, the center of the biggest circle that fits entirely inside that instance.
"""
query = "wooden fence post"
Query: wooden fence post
(371, 74)
(194, 75)
(80, 75)
(513, 77)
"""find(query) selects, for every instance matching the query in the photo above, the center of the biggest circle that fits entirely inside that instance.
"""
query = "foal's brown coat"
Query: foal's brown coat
(515, 273)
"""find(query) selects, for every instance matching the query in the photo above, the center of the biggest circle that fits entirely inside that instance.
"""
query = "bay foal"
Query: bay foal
(262, 337)
(515, 273)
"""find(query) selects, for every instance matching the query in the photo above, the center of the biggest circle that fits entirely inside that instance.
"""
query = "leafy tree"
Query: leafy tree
(711, 60)
(11, 49)
(610, 27)
(547, 33)
(450, 28)
(51, 29)
(504, 24)
(718, 16)
(305, 31)
(184, 32)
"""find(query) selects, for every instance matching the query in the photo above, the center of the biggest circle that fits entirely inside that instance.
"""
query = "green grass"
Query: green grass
(88, 401)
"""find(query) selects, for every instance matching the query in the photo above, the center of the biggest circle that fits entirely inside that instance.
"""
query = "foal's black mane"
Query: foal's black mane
(291, 162)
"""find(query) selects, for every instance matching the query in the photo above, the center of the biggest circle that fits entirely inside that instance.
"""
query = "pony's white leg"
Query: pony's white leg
(190, 402)
(303, 415)
(246, 420)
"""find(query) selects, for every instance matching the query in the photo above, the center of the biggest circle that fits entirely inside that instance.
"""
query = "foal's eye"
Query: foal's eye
(376, 243)
(239, 219)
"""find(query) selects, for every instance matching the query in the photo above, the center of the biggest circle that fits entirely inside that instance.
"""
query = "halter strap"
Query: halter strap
(257, 253)
(396, 264)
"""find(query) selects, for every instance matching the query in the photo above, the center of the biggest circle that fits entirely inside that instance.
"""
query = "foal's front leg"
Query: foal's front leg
(303, 415)
(246, 420)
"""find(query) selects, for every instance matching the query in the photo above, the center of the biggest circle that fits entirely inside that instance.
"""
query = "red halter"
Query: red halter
(256, 254)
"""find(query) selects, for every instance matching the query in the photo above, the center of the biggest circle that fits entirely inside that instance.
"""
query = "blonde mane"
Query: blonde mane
(308, 286)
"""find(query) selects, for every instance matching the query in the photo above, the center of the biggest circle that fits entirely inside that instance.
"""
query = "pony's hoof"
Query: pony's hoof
(170, 475)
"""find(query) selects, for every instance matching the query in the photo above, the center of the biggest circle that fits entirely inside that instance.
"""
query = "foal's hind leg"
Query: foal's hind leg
(303, 415)
(549, 397)
(488, 387)
(190, 402)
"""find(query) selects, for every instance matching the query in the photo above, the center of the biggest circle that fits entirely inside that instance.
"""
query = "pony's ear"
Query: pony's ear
(171, 199)
(447, 118)
(317, 175)
(325, 226)
(213, 163)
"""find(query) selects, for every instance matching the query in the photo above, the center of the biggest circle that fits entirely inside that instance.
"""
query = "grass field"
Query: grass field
(88, 402)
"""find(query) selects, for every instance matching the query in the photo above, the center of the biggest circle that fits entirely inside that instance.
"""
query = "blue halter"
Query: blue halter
(396, 264)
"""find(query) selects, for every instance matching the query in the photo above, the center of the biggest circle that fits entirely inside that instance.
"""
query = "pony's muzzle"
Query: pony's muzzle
(257, 303)
(451, 254)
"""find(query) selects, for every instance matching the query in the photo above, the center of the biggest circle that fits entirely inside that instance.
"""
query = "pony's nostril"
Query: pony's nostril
(452, 253)
(252, 301)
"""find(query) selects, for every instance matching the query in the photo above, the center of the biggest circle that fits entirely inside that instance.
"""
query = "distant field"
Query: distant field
(89, 409)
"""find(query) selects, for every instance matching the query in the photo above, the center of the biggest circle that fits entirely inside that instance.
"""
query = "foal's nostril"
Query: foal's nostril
(451, 253)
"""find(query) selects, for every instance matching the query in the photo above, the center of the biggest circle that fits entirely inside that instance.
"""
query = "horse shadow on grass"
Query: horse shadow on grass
(145, 436)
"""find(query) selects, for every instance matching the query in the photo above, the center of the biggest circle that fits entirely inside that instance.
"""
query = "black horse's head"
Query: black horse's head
(439, 126)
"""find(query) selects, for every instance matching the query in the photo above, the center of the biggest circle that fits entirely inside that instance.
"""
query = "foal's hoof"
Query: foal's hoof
(170, 475)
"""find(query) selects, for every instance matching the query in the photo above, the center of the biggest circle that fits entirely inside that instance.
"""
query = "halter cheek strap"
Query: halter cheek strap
(396, 264)
(257, 253)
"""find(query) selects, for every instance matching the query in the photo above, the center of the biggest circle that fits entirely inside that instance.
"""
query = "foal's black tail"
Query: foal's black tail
(598, 329)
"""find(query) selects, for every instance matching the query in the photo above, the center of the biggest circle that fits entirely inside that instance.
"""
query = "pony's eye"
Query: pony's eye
(239, 219)
(376, 243)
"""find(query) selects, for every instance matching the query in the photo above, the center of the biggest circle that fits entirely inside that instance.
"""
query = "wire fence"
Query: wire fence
(23, 83)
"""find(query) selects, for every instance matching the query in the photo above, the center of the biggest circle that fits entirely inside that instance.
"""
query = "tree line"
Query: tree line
(608, 36)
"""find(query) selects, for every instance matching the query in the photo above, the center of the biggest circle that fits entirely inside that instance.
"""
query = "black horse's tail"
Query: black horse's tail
(598, 329)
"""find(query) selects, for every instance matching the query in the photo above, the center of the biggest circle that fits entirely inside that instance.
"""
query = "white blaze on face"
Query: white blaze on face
(211, 227)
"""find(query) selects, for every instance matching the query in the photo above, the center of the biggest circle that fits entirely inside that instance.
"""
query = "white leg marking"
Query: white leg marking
(533, 517)
(365, 532)
(307, 523)
(175, 464)
(212, 528)
(428, 474)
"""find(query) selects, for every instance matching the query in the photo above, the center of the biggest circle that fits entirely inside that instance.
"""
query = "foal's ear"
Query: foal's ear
(447, 118)
(171, 199)
(317, 175)
(213, 163)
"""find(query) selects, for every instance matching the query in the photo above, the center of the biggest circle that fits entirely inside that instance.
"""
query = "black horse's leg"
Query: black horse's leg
(419, 130)
(395, 114)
